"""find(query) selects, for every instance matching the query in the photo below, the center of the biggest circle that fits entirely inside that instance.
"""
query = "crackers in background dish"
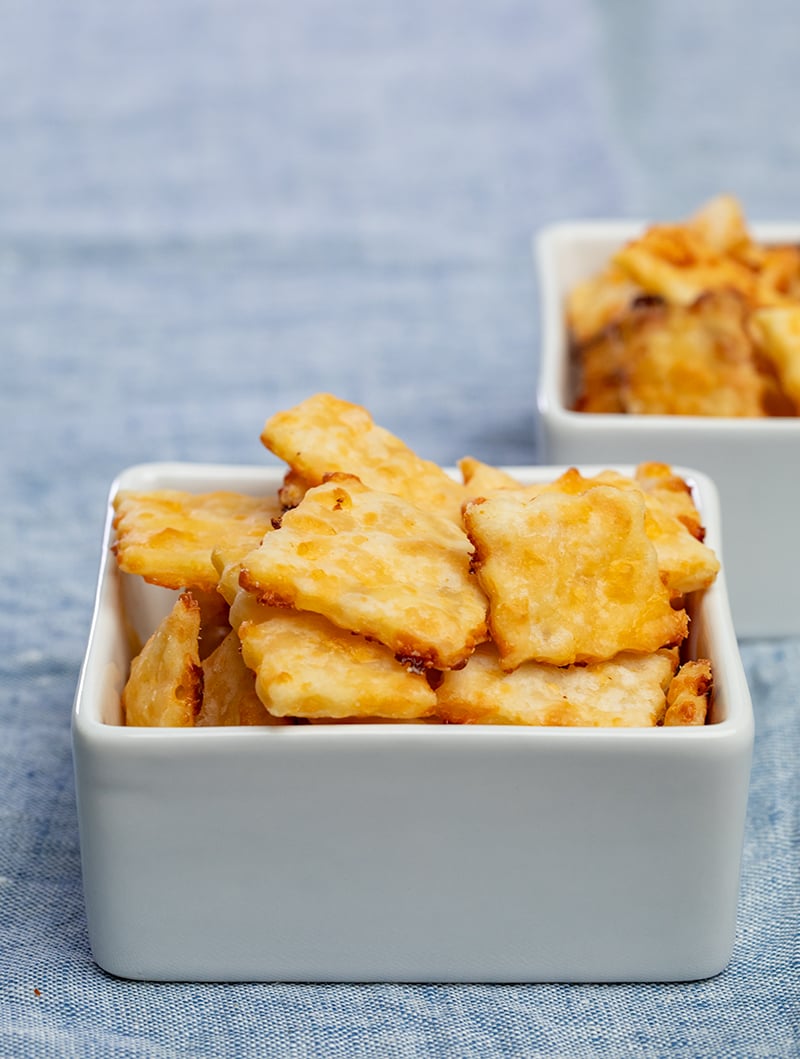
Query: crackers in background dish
(695, 319)
(375, 587)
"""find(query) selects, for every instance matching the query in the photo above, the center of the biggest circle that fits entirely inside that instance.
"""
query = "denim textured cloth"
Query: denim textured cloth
(208, 211)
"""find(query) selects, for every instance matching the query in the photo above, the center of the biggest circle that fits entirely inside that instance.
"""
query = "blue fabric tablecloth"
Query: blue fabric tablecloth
(209, 210)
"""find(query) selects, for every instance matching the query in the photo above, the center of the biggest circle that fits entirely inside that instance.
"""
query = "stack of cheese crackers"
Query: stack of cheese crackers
(697, 318)
(376, 587)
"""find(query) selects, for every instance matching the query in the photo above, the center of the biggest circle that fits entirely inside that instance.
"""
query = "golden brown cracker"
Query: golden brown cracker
(571, 577)
(689, 693)
(325, 434)
(165, 684)
(480, 478)
(626, 691)
(695, 360)
(685, 563)
(167, 535)
(675, 494)
(676, 262)
(375, 564)
(306, 667)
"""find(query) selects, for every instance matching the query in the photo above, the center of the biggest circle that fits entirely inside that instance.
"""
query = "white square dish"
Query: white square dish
(755, 463)
(405, 852)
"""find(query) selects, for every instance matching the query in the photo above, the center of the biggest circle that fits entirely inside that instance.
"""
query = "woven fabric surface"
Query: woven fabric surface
(208, 211)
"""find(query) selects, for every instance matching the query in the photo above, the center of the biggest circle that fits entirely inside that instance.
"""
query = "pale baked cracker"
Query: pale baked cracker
(375, 564)
(167, 535)
(675, 494)
(308, 668)
(480, 478)
(672, 520)
(685, 563)
(325, 434)
(571, 578)
(165, 684)
(626, 691)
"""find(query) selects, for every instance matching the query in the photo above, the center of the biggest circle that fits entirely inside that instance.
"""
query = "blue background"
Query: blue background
(209, 210)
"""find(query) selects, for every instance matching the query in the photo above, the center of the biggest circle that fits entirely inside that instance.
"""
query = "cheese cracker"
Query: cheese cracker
(325, 434)
(571, 577)
(626, 691)
(165, 684)
(375, 564)
(167, 535)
